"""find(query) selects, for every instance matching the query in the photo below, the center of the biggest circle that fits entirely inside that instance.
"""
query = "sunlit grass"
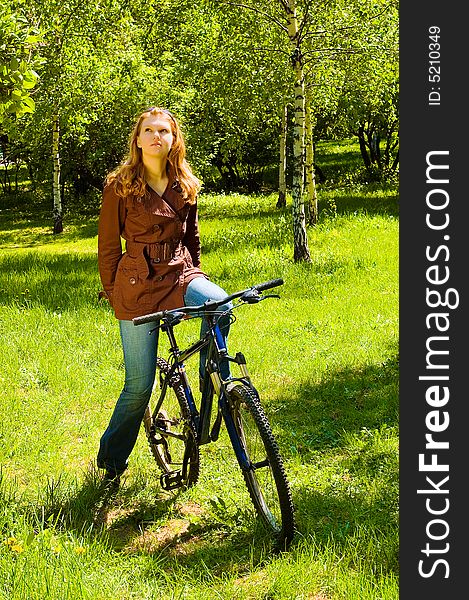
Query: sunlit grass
(325, 360)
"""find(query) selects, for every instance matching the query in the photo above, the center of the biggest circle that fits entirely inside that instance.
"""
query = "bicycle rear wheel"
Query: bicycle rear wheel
(171, 434)
(265, 478)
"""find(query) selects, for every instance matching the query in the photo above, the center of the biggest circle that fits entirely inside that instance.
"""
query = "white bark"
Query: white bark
(300, 238)
(282, 168)
(57, 201)
(311, 193)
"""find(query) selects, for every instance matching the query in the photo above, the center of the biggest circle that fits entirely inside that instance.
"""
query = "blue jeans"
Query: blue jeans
(140, 351)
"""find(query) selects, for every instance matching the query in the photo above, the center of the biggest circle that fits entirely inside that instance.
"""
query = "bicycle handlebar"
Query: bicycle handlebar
(210, 305)
(267, 285)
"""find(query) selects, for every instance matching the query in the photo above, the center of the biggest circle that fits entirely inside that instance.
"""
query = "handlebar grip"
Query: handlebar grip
(156, 316)
(268, 284)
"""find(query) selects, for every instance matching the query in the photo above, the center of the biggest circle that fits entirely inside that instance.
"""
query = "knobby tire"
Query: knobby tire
(267, 484)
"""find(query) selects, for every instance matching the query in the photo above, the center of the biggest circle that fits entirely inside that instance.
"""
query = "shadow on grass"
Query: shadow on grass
(63, 274)
(30, 233)
(65, 281)
(352, 204)
(97, 506)
(139, 518)
(345, 203)
(70, 280)
(314, 417)
(312, 422)
(29, 229)
(357, 506)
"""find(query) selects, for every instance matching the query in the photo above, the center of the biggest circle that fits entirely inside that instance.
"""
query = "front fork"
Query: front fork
(219, 384)
(216, 386)
(225, 409)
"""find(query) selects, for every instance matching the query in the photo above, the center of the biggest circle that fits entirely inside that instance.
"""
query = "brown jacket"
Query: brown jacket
(162, 251)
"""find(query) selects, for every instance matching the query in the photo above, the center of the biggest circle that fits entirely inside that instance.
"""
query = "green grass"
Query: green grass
(325, 360)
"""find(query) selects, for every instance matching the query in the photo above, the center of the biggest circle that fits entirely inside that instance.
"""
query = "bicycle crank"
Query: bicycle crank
(172, 480)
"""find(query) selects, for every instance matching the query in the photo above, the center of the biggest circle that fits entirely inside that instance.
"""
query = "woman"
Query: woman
(150, 201)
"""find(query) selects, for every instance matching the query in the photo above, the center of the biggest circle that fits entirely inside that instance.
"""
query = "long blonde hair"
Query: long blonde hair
(129, 176)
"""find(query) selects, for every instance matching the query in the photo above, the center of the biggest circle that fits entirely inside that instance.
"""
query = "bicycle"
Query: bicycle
(176, 428)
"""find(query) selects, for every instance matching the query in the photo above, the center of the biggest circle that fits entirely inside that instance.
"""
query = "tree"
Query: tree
(93, 81)
(300, 238)
(62, 22)
(369, 92)
(374, 118)
(285, 24)
(232, 96)
(227, 74)
(306, 36)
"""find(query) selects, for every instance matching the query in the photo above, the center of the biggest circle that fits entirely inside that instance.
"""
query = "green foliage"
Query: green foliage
(368, 105)
(224, 70)
(89, 79)
(18, 42)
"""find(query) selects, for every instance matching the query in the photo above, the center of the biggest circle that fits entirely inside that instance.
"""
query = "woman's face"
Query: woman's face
(155, 137)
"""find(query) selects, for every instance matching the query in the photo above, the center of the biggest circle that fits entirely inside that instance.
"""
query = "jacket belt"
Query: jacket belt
(163, 250)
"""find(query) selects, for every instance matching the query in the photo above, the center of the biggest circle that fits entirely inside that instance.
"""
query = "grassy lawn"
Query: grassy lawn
(324, 358)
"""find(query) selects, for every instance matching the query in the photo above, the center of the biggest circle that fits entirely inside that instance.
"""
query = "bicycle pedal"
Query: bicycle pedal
(172, 480)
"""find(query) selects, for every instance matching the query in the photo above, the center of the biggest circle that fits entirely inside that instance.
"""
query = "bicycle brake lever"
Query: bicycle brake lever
(251, 297)
(175, 318)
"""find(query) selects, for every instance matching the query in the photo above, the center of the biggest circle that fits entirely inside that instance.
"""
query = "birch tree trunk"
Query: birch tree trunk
(282, 167)
(57, 208)
(311, 193)
(300, 238)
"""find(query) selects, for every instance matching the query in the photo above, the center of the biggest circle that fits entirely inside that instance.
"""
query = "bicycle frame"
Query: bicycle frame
(212, 382)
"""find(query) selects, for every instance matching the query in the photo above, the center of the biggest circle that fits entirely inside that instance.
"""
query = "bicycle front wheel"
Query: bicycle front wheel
(265, 476)
(171, 434)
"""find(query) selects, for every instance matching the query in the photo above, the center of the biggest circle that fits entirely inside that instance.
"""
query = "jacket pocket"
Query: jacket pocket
(132, 289)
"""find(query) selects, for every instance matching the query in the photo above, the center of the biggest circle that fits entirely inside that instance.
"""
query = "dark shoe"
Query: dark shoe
(111, 480)
(111, 475)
